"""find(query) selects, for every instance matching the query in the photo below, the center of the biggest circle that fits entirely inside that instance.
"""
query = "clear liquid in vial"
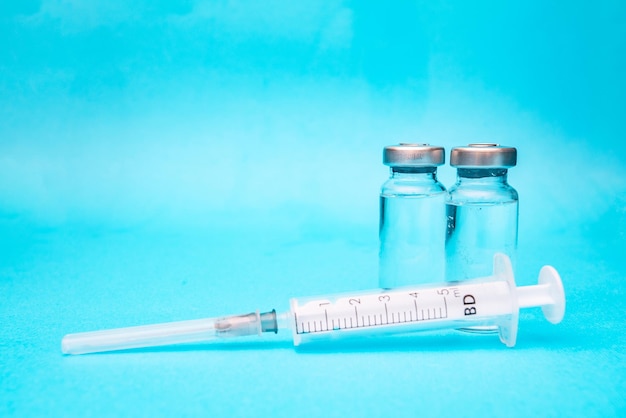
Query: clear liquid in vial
(412, 237)
(474, 233)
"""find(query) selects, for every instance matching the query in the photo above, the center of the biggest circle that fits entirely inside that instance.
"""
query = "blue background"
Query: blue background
(171, 160)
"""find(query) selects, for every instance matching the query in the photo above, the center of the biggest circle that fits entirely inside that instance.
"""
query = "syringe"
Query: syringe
(492, 300)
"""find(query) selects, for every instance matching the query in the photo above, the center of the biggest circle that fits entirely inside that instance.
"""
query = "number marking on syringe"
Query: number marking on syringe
(394, 311)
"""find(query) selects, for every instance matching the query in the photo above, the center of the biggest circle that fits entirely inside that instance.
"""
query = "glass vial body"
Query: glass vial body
(412, 221)
(481, 211)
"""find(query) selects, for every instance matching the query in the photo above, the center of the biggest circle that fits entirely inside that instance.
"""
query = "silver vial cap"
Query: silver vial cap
(483, 156)
(413, 155)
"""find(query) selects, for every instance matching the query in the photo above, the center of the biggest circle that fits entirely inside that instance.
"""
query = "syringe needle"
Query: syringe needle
(140, 336)
(198, 330)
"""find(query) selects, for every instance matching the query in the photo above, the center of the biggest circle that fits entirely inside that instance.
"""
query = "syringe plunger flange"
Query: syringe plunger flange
(548, 294)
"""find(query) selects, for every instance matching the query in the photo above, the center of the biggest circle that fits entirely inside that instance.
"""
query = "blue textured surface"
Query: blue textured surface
(165, 161)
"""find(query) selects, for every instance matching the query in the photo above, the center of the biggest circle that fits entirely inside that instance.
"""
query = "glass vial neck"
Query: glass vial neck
(495, 175)
(416, 173)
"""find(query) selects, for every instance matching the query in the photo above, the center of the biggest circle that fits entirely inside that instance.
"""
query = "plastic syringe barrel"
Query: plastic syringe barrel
(489, 301)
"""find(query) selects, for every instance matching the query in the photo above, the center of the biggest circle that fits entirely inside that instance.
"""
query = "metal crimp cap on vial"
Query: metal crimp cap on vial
(483, 156)
(413, 155)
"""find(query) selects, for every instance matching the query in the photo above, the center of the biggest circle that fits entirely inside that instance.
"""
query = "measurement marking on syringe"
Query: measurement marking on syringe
(330, 322)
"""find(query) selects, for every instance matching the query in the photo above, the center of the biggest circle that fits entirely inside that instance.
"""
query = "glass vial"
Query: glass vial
(412, 217)
(481, 210)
